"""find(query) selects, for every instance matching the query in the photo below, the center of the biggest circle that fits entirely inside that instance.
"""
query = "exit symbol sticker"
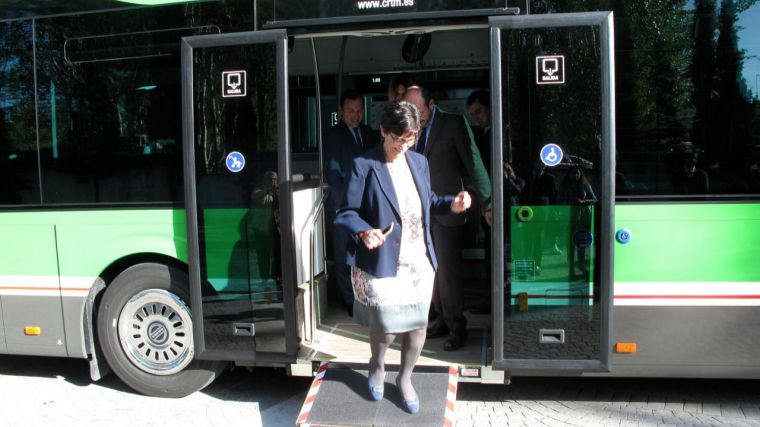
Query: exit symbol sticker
(550, 70)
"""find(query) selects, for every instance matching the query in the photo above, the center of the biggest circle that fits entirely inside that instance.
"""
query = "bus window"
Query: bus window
(108, 94)
(18, 148)
(691, 133)
(109, 131)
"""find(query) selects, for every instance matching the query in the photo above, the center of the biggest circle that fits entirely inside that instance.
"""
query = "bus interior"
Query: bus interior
(452, 62)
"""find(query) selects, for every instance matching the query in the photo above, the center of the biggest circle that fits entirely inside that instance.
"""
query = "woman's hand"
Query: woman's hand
(372, 238)
(461, 202)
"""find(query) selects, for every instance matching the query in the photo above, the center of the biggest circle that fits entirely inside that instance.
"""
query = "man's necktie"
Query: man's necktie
(421, 140)
(357, 136)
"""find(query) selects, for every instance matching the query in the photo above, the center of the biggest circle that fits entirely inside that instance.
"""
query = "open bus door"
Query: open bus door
(237, 180)
(553, 115)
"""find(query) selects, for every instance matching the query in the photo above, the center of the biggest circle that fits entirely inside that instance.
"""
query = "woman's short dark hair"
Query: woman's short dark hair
(398, 117)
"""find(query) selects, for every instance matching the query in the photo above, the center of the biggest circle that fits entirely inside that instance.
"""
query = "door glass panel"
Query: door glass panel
(551, 84)
(237, 196)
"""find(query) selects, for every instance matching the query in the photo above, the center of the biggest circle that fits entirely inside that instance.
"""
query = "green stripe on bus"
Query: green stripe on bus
(689, 243)
(673, 242)
(88, 241)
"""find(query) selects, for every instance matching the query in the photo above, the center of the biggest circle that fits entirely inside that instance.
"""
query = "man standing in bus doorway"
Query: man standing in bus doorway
(343, 142)
(479, 107)
(447, 142)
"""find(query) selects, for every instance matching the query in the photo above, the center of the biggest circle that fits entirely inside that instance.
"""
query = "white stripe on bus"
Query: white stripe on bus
(67, 286)
(687, 293)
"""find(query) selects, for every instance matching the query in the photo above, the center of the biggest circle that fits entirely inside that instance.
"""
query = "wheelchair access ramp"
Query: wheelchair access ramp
(339, 397)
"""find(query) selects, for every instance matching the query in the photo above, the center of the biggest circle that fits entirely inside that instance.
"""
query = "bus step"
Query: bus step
(339, 396)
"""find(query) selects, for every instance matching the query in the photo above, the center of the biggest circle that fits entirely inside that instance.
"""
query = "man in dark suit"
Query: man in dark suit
(343, 143)
(446, 140)
(479, 107)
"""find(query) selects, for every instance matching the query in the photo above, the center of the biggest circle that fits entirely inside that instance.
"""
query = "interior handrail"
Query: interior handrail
(310, 225)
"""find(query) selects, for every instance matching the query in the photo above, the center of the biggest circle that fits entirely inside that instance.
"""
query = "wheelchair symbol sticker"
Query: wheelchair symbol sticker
(235, 162)
(551, 154)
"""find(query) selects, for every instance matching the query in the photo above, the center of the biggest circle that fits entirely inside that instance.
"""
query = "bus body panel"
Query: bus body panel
(44, 312)
(107, 235)
(3, 347)
(699, 342)
(30, 287)
(81, 245)
(74, 318)
(687, 290)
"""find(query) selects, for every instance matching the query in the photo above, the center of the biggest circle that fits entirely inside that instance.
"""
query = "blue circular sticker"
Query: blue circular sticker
(623, 236)
(235, 161)
(582, 239)
(551, 154)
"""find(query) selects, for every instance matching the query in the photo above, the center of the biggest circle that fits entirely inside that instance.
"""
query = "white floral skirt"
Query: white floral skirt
(394, 304)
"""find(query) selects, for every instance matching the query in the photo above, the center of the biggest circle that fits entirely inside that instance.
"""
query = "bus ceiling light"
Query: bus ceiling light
(625, 347)
(32, 331)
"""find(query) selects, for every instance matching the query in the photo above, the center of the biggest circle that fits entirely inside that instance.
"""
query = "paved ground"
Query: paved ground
(49, 391)
(610, 402)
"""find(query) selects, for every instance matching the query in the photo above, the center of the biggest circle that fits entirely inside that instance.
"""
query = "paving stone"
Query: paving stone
(733, 411)
(638, 400)
(751, 411)
(460, 415)
(656, 401)
(711, 408)
(674, 403)
(692, 407)
(480, 416)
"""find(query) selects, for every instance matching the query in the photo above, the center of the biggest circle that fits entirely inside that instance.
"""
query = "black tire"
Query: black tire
(152, 297)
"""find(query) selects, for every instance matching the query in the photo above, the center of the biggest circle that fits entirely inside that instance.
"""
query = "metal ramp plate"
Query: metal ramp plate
(339, 397)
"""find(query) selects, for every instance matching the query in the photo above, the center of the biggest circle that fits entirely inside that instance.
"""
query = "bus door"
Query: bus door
(234, 95)
(552, 80)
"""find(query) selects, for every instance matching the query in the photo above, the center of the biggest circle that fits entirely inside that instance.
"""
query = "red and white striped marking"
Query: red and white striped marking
(312, 395)
(46, 286)
(688, 293)
(451, 397)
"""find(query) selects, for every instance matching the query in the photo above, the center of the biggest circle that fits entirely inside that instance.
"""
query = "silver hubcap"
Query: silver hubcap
(156, 332)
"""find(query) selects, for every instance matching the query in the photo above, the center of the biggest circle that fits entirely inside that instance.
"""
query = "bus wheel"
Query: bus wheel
(145, 330)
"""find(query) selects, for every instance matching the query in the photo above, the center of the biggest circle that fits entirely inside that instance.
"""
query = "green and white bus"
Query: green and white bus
(161, 200)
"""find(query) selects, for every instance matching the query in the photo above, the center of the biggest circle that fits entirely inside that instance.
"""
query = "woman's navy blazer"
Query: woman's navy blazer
(369, 201)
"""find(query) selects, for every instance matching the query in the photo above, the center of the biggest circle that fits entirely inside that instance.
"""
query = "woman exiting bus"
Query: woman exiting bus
(386, 206)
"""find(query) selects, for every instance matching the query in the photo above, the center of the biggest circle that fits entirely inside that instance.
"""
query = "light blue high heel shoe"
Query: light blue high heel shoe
(375, 390)
(411, 406)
